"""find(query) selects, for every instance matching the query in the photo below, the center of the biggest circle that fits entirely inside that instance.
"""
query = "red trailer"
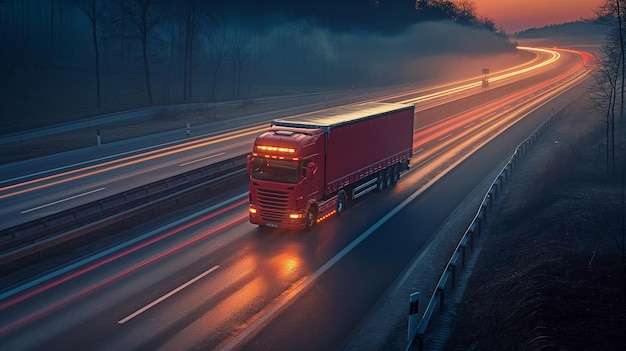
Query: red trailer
(308, 167)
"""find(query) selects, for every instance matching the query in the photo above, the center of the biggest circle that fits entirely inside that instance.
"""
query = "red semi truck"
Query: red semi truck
(308, 167)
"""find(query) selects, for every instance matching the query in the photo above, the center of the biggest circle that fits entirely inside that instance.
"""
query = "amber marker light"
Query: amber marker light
(285, 150)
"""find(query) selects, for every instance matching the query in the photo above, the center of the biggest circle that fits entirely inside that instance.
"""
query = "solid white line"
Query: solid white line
(63, 200)
(166, 296)
(200, 159)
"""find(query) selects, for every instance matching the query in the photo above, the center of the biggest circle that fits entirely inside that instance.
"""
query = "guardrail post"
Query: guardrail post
(453, 272)
(98, 138)
(483, 213)
(474, 229)
(462, 256)
(413, 318)
(442, 298)
(188, 129)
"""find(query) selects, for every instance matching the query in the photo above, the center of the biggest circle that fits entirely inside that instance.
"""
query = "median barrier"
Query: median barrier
(44, 233)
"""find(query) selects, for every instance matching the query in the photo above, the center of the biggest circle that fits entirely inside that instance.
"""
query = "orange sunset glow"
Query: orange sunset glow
(517, 15)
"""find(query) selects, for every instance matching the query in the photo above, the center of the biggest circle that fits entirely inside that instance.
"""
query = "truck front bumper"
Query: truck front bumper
(295, 221)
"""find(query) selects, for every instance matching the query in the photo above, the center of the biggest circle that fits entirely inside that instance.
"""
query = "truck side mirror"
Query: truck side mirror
(249, 160)
(310, 169)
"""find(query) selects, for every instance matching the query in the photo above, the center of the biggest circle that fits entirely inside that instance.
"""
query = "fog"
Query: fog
(49, 58)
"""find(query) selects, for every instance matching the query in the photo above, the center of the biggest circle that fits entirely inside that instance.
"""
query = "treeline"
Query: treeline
(385, 16)
(198, 50)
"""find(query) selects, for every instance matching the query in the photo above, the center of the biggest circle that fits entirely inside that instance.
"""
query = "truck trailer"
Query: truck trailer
(308, 167)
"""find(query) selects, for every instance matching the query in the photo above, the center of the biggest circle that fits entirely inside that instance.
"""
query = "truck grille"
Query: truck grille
(273, 205)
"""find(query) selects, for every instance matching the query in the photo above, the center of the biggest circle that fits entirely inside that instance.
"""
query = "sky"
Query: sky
(517, 15)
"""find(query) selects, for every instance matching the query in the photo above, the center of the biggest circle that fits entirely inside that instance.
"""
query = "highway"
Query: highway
(205, 278)
(34, 189)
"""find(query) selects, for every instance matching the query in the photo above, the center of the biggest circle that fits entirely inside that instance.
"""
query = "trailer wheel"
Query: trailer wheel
(388, 176)
(311, 219)
(380, 182)
(341, 202)
(395, 175)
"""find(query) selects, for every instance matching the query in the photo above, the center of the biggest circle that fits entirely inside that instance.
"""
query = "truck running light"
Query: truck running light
(295, 215)
(286, 150)
(252, 210)
(326, 216)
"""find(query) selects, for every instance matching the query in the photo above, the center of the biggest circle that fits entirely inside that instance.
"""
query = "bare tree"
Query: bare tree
(115, 25)
(142, 18)
(193, 16)
(604, 93)
(91, 9)
(612, 59)
(238, 51)
(217, 40)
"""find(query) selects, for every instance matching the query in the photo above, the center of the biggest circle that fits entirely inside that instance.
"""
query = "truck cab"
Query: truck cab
(286, 177)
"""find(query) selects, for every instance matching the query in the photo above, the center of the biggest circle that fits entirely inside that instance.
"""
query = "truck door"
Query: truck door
(310, 174)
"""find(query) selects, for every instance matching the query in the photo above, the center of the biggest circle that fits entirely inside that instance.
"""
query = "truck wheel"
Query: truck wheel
(380, 182)
(388, 176)
(311, 218)
(395, 175)
(341, 202)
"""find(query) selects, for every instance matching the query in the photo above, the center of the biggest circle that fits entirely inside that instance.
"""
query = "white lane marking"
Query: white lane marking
(488, 116)
(446, 137)
(200, 159)
(166, 296)
(63, 200)
(469, 125)
(86, 261)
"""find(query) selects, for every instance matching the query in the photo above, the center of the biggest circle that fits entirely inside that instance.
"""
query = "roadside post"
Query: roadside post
(413, 318)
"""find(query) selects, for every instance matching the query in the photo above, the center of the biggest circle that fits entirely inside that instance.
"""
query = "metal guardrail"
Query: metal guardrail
(448, 277)
(44, 233)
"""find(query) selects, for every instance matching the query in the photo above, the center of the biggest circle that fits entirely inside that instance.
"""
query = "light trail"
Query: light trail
(88, 290)
(554, 56)
(63, 200)
(484, 112)
(67, 176)
(79, 173)
(127, 247)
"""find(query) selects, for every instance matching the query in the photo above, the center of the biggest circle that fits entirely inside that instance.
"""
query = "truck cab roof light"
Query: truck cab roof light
(280, 149)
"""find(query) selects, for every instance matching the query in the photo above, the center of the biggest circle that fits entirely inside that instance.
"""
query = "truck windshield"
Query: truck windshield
(281, 171)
